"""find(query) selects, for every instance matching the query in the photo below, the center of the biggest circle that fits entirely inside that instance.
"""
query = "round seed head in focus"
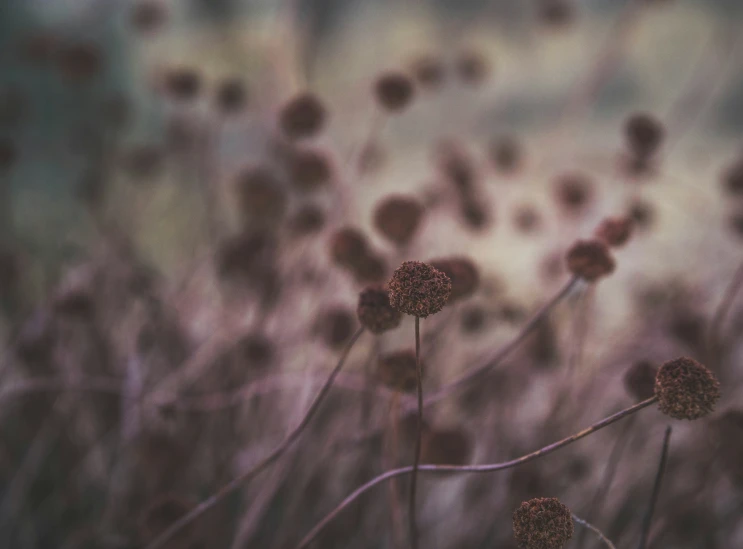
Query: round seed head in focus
(542, 523)
(590, 260)
(686, 389)
(615, 231)
(639, 380)
(375, 312)
(398, 218)
(419, 289)
(302, 117)
(463, 273)
(394, 91)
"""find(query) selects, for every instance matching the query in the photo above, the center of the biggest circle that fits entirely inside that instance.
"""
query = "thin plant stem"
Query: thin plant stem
(487, 468)
(234, 484)
(595, 530)
(646, 521)
(418, 437)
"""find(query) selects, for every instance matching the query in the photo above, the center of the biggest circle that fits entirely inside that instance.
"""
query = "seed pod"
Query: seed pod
(375, 312)
(574, 192)
(336, 326)
(348, 246)
(686, 389)
(615, 231)
(261, 197)
(309, 219)
(79, 63)
(309, 169)
(590, 260)
(505, 154)
(419, 289)
(148, 15)
(644, 134)
(398, 218)
(542, 523)
(302, 117)
(231, 95)
(394, 91)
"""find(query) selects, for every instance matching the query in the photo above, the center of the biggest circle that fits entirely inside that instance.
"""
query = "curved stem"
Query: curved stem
(595, 530)
(487, 468)
(656, 490)
(417, 458)
(234, 484)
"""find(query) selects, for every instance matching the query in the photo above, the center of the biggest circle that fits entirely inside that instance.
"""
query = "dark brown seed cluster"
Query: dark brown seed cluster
(644, 135)
(182, 83)
(419, 289)
(686, 389)
(350, 250)
(615, 231)
(574, 192)
(309, 169)
(732, 178)
(397, 370)
(260, 196)
(463, 273)
(231, 95)
(336, 326)
(639, 380)
(590, 260)
(302, 117)
(394, 91)
(542, 523)
(375, 312)
(446, 447)
(397, 218)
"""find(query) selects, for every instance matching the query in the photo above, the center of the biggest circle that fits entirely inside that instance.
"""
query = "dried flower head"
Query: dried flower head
(245, 256)
(302, 116)
(231, 95)
(182, 83)
(375, 312)
(348, 246)
(644, 134)
(505, 154)
(370, 269)
(474, 213)
(336, 326)
(463, 273)
(397, 370)
(419, 289)
(309, 169)
(446, 447)
(261, 196)
(397, 218)
(542, 523)
(456, 165)
(642, 214)
(394, 91)
(590, 260)
(686, 389)
(615, 231)
(573, 192)
(639, 379)
(428, 72)
(472, 67)
(148, 15)
(473, 319)
(38, 48)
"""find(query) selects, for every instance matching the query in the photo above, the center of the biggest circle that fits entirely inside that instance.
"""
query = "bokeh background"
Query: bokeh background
(174, 287)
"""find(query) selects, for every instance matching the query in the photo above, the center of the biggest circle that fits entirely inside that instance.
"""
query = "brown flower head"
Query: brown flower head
(472, 67)
(348, 246)
(231, 95)
(686, 389)
(398, 218)
(336, 326)
(182, 84)
(644, 134)
(474, 214)
(615, 231)
(428, 72)
(303, 116)
(642, 214)
(463, 273)
(375, 312)
(370, 269)
(590, 260)
(418, 289)
(245, 256)
(261, 196)
(309, 169)
(456, 165)
(446, 447)
(505, 154)
(542, 523)
(573, 192)
(473, 319)
(397, 370)
(256, 350)
(639, 379)
(394, 91)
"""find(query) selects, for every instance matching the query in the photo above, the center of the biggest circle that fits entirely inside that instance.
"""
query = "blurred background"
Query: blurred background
(193, 193)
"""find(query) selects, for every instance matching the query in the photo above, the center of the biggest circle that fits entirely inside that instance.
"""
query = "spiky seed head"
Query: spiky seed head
(615, 231)
(419, 289)
(398, 218)
(590, 260)
(542, 523)
(686, 389)
(644, 134)
(375, 312)
(397, 370)
(303, 116)
(463, 273)
(639, 379)
(394, 91)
